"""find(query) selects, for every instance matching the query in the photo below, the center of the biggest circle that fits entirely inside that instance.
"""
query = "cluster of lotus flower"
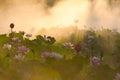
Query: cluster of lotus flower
(51, 55)
(20, 50)
(95, 61)
(76, 47)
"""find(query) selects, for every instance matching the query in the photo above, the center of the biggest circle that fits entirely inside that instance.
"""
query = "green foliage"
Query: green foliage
(3, 39)
(102, 72)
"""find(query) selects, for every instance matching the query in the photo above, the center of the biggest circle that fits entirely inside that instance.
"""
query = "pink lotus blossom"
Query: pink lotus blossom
(57, 55)
(51, 55)
(23, 49)
(95, 61)
(46, 54)
(68, 45)
(16, 39)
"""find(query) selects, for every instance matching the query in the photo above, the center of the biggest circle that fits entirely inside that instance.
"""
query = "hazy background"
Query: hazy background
(33, 15)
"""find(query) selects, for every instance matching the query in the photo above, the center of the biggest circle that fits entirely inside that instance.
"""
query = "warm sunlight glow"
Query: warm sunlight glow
(32, 15)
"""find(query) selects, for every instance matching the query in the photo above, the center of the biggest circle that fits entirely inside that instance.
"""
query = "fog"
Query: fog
(33, 15)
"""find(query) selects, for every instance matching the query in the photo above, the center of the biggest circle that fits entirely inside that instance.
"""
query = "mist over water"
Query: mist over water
(32, 15)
